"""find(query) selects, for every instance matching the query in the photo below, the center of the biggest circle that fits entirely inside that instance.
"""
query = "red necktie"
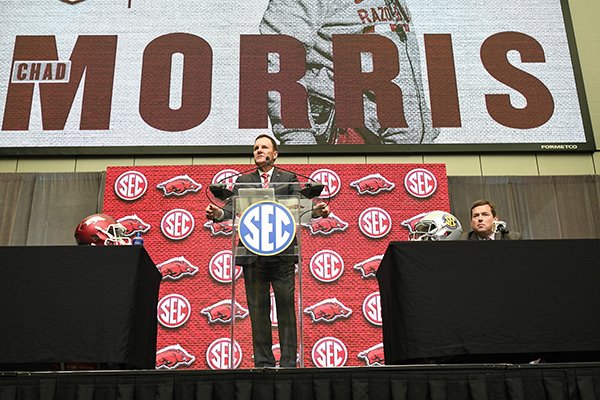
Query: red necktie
(265, 183)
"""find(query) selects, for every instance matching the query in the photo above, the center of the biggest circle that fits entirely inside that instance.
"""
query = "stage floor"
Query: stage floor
(569, 381)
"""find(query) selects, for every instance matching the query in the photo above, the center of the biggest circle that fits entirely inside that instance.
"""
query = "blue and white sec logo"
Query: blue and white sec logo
(267, 228)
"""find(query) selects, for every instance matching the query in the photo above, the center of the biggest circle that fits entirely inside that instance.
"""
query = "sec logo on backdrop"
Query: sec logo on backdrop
(173, 310)
(267, 228)
(420, 183)
(329, 352)
(177, 224)
(372, 309)
(218, 354)
(330, 180)
(375, 222)
(131, 185)
(326, 266)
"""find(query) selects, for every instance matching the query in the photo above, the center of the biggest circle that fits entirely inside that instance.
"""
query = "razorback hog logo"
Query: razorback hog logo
(173, 356)
(373, 355)
(133, 224)
(372, 184)
(368, 268)
(179, 186)
(328, 310)
(221, 312)
(326, 226)
(224, 227)
(176, 268)
(412, 222)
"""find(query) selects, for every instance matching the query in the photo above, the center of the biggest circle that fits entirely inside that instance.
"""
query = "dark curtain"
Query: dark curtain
(44, 208)
(540, 207)
(502, 382)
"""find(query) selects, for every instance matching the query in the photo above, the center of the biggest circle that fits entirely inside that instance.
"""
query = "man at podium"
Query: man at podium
(277, 271)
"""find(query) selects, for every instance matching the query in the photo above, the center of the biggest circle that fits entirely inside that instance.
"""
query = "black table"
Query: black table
(491, 301)
(77, 304)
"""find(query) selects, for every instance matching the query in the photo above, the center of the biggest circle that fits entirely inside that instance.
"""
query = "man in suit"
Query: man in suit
(277, 271)
(483, 216)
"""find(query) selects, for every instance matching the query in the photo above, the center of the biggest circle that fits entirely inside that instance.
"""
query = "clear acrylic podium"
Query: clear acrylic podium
(264, 222)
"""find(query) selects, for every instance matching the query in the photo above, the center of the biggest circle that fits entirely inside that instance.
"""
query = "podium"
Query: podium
(266, 243)
(78, 304)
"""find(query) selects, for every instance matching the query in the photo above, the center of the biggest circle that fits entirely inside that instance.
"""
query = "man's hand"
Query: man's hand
(321, 210)
(213, 212)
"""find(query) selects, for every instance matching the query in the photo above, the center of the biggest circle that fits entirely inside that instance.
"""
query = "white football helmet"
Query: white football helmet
(437, 225)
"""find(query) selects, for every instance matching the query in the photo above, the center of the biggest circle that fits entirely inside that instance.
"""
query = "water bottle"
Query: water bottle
(138, 240)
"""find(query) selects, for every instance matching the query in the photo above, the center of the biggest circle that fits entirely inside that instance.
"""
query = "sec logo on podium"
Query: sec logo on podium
(267, 228)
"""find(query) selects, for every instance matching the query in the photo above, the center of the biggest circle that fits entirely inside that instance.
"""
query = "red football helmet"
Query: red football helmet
(101, 230)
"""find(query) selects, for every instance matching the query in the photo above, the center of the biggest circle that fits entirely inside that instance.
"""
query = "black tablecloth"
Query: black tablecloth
(496, 301)
(78, 304)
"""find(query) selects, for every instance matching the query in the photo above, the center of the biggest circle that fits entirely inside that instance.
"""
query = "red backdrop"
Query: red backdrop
(371, 205)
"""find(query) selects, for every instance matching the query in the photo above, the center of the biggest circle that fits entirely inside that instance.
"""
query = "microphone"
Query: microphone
(311, 189)
(220, 189)
(500, 226)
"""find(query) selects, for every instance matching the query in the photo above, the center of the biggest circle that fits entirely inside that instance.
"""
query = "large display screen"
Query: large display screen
(330, 76)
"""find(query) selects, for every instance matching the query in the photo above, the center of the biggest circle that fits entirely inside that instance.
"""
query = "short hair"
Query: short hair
(264, 135)
(483, 202)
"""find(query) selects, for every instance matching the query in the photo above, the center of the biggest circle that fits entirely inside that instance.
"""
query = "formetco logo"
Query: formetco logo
(420, 183)
(372, 308)
(177, 224)
(173, 310)
(375, 222)
(330, 180)
(220, 356)
(329, 352)
(326, 266)
(220, 267)
(267, 228)
(131, 185)
(558, 146)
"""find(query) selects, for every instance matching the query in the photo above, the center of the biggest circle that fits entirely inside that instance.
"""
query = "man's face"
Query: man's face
(482, 220)
(263, 148)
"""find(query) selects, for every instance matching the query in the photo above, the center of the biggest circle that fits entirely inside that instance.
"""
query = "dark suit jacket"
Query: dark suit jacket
(510, 235)
(279, 176)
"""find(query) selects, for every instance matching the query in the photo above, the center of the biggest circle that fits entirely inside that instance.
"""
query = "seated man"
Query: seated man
(484, 226)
